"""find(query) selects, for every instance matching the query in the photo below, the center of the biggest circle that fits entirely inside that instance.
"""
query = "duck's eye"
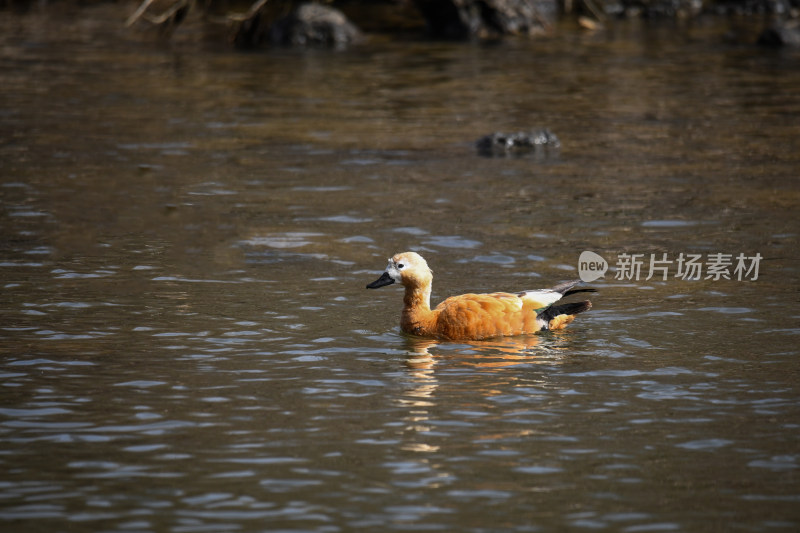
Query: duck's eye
(400, 266)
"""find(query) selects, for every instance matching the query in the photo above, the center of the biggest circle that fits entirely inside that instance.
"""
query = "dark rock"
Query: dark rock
(314, 24)
(781, 34)
(751, 7)
(460, 19)
(306, 24)
(661, 9)
(517, 143)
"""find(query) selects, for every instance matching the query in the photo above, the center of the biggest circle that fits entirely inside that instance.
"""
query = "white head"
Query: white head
(407, 268)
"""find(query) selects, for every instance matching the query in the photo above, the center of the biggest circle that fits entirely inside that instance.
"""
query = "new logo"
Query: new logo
(591, 266)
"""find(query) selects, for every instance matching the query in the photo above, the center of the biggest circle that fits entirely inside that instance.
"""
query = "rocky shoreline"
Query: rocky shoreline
(339, 23)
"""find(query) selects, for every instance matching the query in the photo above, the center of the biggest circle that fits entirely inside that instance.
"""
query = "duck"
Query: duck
(475, 316)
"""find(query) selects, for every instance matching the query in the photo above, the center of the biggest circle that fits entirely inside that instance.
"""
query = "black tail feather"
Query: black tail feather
(565, 286)
(576, 291)
(564, 309)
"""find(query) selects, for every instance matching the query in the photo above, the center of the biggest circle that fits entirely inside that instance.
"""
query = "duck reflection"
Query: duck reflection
(420, 397)
(425, 355)
(502, 352)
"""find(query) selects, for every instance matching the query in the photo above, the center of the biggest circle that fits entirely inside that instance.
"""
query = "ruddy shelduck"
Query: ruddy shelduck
(475, 316)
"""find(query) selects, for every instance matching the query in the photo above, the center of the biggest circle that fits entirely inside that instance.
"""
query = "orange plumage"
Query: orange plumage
(474, 316)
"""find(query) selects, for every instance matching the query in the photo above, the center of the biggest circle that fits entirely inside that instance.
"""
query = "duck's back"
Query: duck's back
(480, 316)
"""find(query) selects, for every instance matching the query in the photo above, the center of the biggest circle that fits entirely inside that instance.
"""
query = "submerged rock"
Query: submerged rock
(306, 25)
(499, 143)
(314, 24)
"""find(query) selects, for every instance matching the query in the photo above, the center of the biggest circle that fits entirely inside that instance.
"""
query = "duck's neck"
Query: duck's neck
(417, 315)
(418, 298)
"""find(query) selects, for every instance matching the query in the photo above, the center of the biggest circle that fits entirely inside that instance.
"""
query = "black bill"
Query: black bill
(382, 281)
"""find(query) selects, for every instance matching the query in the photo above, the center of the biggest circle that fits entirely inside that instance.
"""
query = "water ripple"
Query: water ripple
(451, 241)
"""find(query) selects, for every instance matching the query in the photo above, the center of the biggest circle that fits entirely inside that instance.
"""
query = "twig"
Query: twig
(166, 15)
(139, 12)
(241, 17)
(596, 11)
(254, 9)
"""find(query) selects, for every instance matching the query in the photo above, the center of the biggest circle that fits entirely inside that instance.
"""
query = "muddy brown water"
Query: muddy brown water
(187, 344)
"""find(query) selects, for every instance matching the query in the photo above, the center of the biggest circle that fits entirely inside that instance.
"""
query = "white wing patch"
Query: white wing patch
(541, 298)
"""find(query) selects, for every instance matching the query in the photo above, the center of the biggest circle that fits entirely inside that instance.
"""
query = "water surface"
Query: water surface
(187, 344)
